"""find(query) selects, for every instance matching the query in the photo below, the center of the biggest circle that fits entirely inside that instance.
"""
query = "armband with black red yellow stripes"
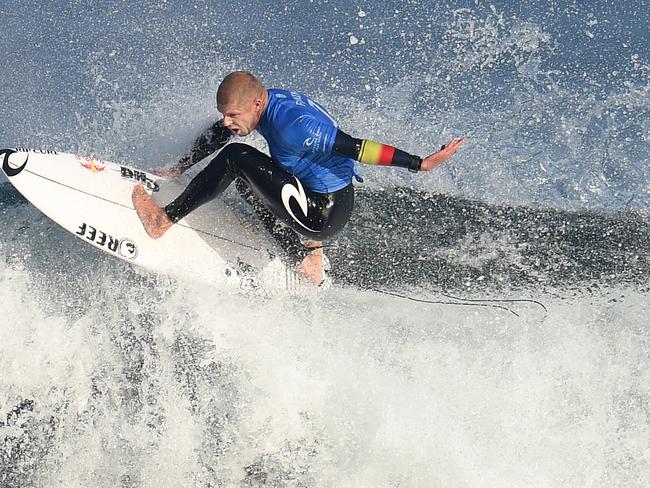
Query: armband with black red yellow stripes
(371, 152)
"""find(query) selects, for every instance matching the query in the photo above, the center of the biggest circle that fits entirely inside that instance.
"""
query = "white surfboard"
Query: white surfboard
(91, 198)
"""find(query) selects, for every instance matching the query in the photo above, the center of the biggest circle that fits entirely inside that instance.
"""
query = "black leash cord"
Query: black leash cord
(513, 300)
(440, 302)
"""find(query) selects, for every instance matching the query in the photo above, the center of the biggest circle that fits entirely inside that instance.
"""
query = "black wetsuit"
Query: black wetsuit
(323, 215)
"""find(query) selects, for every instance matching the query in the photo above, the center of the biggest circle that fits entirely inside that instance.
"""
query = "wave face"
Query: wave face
(115, 377)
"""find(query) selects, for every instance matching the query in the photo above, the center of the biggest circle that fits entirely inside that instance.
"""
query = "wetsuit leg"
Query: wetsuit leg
(314, 215)
(205, 186)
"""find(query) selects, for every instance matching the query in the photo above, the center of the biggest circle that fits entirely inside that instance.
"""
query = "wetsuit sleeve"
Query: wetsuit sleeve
(213, 139)
(371, 152)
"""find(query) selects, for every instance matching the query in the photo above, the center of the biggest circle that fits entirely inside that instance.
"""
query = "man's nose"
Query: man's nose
(227, 121)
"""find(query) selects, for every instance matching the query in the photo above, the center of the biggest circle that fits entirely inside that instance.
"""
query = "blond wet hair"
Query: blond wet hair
(239, 87)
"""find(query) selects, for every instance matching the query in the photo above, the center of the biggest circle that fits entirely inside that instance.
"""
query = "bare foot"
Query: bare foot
(311, 266)
(154, 219)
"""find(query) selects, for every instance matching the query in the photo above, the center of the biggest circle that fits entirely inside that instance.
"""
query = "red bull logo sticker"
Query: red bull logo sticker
(93, 165)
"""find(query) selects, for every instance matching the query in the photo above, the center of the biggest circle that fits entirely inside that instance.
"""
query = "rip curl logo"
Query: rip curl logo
(10, 167)
(297, 193)
(36, 151)
(315, 139)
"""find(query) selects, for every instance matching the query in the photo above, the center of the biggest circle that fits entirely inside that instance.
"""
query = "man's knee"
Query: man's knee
(235, 151)
(237, 157)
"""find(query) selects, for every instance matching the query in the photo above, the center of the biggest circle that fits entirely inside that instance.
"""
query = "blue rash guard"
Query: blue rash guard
(300, 134)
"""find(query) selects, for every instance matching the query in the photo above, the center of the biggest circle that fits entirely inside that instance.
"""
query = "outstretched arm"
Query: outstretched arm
(211, 140)
(371, 152)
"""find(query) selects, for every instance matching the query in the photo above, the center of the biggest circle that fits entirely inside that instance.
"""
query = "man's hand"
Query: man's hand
(436, 159)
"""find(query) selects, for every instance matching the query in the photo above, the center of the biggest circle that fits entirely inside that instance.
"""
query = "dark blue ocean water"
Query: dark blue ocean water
(112, 378)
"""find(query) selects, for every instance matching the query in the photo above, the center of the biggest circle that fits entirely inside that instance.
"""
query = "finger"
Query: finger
(457, 142)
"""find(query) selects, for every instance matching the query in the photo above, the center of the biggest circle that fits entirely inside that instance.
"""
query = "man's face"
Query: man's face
(241, 118)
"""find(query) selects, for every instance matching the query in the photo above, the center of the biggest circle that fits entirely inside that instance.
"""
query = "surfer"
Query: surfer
(306, 182)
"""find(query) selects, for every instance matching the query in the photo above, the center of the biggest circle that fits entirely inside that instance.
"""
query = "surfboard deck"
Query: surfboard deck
(91, 198)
